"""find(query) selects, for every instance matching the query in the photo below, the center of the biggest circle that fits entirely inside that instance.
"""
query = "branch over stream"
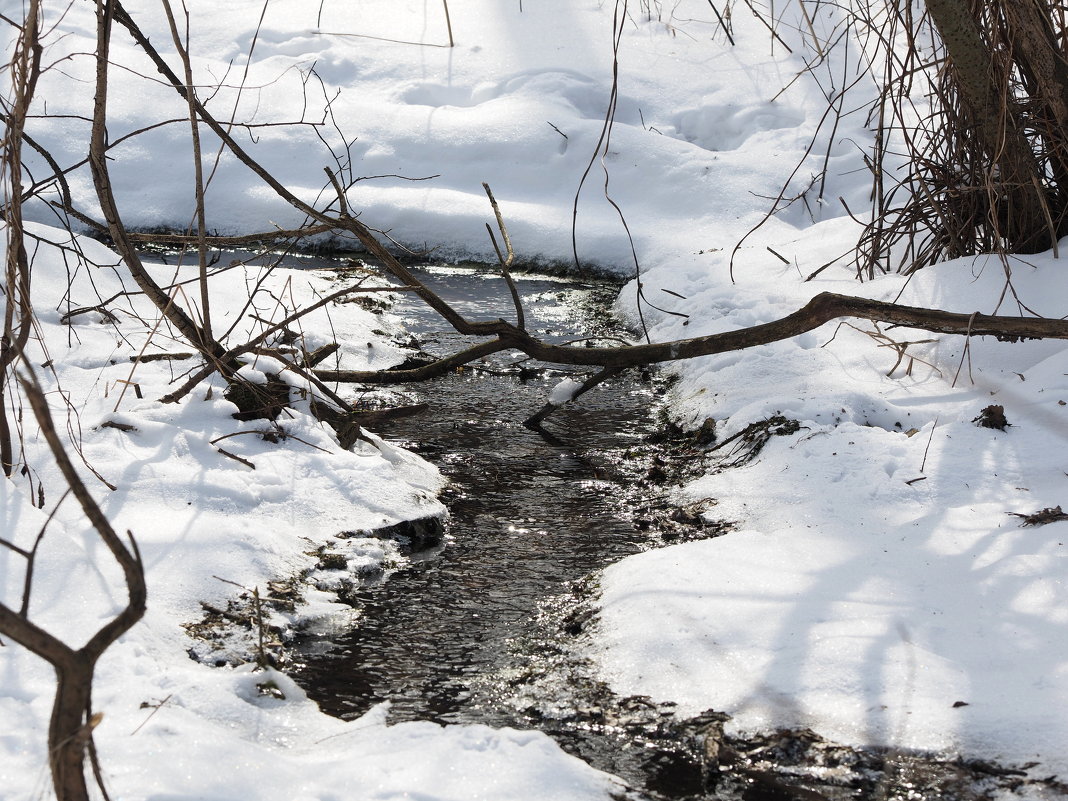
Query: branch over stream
(821, 309)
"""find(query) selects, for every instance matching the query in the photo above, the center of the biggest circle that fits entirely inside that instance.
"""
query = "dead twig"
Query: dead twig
(506, 262)
(235, 457)
(1042, 517)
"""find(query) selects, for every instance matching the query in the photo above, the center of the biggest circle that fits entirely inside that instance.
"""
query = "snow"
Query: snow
(564, 391)
(203, 523)
(877, 576)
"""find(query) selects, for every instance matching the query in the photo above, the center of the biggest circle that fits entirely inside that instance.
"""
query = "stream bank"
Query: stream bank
(489, 627)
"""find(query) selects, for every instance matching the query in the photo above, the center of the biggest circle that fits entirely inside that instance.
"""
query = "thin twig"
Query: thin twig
(506, 263)
(933, 427)
(448, 21)
(726, 28)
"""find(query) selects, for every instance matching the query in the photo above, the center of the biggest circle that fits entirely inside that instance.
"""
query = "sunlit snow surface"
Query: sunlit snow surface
(881, 588)
(853, 598)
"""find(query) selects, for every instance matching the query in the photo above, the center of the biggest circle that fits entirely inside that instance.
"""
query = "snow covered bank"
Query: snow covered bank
(212, 502)
(882, 588)
(702, 134)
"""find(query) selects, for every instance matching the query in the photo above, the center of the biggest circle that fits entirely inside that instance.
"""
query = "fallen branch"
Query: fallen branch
(823, 308)
(535, 420)
(425, 373)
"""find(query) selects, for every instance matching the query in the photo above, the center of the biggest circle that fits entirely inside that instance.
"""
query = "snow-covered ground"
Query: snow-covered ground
(879, 588)
(877, 577)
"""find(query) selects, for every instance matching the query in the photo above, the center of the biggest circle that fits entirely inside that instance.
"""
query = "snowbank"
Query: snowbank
(882, 588)
(702, 134)
(213, 502)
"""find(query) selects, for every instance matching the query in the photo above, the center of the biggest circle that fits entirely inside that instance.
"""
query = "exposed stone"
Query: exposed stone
(411, 536)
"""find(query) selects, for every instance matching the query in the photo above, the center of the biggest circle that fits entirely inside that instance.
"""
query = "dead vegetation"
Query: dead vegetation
(1042, 517)
(971, 146)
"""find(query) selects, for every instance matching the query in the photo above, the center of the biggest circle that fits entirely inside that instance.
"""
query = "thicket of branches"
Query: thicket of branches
(974, 108)
(995, 180)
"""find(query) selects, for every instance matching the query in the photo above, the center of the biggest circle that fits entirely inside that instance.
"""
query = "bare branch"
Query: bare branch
(823, 308)
(198, 171)
(535, 420)
(506, 263)
(102, 182)
(70, 729)
(438, 368)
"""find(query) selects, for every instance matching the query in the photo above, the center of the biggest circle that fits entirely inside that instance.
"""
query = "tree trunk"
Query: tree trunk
(1014, 95)
(1018, 204)
(69, 731)
(1044, 73)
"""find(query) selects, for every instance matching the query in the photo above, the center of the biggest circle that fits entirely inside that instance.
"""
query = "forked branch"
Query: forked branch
(72, 722)
(506, 262)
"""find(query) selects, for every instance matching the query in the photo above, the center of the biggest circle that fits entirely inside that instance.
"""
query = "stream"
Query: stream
(488, 627)
(480, 630)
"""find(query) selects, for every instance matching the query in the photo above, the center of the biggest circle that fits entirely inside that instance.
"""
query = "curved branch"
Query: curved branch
(821, 309)
(72, 721)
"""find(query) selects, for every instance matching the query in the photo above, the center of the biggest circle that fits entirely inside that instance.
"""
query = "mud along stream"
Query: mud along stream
(478, 629)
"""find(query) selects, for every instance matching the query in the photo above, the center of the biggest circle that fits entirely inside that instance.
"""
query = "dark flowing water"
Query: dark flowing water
(477, 631)
(527, 513)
